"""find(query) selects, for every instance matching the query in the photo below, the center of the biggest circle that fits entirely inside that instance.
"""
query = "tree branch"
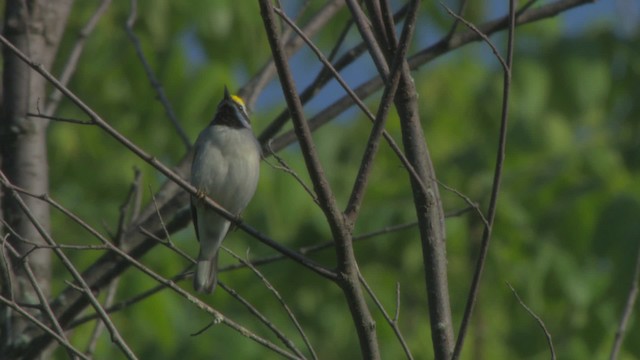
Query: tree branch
(628, 310)
(497, 177)
(348, 271)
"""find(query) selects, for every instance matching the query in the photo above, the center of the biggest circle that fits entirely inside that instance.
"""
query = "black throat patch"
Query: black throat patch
(228, 116)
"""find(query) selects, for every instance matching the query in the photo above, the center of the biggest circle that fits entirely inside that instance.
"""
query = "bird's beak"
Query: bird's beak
(227, 96)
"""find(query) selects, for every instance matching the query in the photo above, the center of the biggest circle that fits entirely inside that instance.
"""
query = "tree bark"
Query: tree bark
(430, 218)
(36, 28)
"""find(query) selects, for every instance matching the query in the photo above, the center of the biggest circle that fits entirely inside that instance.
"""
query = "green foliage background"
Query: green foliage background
(567, 226)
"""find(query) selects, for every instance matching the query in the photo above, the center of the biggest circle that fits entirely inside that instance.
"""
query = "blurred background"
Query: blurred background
(568, 221)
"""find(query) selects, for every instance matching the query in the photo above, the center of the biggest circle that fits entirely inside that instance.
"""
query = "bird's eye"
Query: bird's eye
(238, 100)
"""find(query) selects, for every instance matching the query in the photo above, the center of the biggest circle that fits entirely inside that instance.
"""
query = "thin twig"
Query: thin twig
(42, 298)
(393, 323)
(115, 334)
(263, 319)
(99, 327)
(354, 97)
(473, 205)
(43, 327)
(320, 80)
(325, 62)
(126, 207)
(218, 316)
(277, 295)
(132, 300)
(286, 168)
(484, 37)
(497, 177)
(167, 243)
(155, 83)
(547, 334)
(366, 165)
(250, 91)
(323, 76)
(322, 246)
(347, 266)
(165, 170)
(441, 47)
(74, 57)
(60, 119)
(396, 316)
(364, 26)
(462, 6)
(628, 310)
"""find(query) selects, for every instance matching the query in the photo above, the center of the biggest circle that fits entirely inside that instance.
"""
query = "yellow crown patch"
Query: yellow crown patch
(238, 100)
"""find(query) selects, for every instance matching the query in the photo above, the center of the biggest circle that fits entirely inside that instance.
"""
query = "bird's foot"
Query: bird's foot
(234, 224)
(200, 194)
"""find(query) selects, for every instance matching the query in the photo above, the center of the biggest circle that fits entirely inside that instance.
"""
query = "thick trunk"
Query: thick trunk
(35, 27)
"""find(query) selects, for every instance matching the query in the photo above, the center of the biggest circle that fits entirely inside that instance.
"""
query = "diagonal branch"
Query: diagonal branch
(164, 169)
(44, 304)
(74, 56)
(218, 316)
(538, 320)
(360, 184)
(155, 83)
(354, 97)
(441, 47)
(115, 334)
(43, 327)
(347, 267)
(628, 310)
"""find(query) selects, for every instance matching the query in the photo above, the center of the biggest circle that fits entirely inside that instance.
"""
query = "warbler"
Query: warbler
(226, 167)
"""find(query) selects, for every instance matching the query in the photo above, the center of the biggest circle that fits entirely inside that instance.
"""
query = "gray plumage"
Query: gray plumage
(226, 167)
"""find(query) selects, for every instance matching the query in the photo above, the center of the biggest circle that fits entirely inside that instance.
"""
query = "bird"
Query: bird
(225, 167)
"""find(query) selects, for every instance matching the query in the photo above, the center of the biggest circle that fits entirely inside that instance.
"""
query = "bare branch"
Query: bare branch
(263, 319)
(497, 177)
(251, 90)
(115, 334)
(357, 193)
(393, 323)
(42, 298)
(165, 170)
(74, 56)
(348, 270)
(129, 206)
(43, 327)
(382, 111)
(275, 292)
(61, 119)
(364, 26)
(484, 37)
(628, 310)
(321, 79)
(99, 327)
(286, 168)
(472, 205)
(538, 319)
(155, 83)
(218, 316)
(443, 46)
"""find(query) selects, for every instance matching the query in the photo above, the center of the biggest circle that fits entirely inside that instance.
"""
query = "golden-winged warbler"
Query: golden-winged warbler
(226, 167)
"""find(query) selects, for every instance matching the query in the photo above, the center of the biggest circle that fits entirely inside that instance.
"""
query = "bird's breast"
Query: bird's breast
(226, 166)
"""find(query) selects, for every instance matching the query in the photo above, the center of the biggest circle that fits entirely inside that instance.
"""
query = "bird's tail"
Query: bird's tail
(206, 277)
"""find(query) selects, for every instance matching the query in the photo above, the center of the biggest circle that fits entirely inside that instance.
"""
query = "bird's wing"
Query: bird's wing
(194, 216)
